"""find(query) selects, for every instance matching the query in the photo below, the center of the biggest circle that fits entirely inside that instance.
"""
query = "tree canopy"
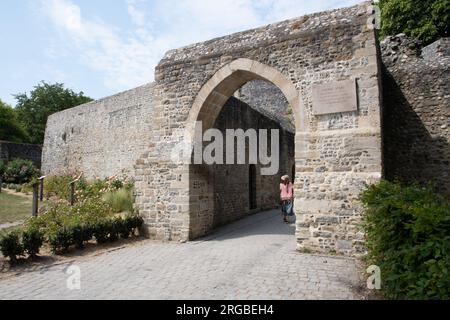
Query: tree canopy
(424, 20)
(10, 127)
(44, 100)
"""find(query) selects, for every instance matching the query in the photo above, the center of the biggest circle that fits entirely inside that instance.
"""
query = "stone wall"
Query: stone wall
(416, 120)
(11, 150)
(268, 100)
(337, 155)
(102, 138)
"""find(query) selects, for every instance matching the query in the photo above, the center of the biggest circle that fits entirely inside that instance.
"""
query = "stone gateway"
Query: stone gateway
(233, 82)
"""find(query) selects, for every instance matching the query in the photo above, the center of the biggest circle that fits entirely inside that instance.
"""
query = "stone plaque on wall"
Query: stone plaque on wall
(334, 97)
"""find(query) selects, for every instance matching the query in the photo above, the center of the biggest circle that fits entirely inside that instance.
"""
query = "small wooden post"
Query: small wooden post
(72, 190)
(34, 207)
(41, 192)
(72, 193)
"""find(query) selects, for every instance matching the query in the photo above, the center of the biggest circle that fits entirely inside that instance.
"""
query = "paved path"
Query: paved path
(11, 224)
(254, 258)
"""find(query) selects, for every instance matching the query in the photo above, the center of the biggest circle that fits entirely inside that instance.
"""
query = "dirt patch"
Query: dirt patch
(20, 194)
(11, 224)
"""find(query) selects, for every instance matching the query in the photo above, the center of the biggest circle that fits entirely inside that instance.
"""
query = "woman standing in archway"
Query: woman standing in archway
(287, 197)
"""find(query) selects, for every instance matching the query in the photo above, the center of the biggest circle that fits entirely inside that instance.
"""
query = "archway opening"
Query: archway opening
(257, 98)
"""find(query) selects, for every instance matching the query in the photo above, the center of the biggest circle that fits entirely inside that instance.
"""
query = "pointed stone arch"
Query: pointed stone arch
(204, 111)
(221, 86)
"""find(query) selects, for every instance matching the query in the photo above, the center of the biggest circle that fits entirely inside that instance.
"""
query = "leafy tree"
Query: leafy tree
(10, 127)
(44, 100)
(424, 20)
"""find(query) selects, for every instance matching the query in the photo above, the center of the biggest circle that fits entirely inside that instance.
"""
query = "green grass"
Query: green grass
(120, 200)
(14, 208)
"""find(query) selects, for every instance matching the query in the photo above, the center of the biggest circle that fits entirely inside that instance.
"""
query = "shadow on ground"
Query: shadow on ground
(262, 223)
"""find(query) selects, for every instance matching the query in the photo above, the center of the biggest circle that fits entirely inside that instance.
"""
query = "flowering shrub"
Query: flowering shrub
(62, 226)
(113, 191)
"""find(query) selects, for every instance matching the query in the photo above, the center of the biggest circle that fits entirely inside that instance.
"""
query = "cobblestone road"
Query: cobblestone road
(254, 258)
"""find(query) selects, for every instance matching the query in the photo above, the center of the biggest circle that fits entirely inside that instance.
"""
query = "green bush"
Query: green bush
(61, 240)
(49, 222)
(133, 222)
(19, 171)
(123, 229)
(136, 222)
(408, 236)
(62, 214)
(114, 229)
(2, 168)
(101, 232)
(117, 184)
(63, 229)
(57, 186)
(93, 189)
(81, 234)
(32, 240)
(64, 226)
(11, 247)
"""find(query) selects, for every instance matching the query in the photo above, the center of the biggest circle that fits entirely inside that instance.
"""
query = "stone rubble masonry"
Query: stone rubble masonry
(268, 100)
(336, 155)
(416, 117)
(101, 138)
(12, 150)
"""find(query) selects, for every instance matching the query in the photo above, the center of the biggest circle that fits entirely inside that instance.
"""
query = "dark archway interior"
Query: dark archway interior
(238, 190)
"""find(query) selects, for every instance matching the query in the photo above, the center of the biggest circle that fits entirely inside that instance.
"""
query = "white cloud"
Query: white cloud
(137, 16)
(126, 58)
(124, 63)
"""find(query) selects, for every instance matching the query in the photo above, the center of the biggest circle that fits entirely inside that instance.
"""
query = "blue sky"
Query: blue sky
(102, 47)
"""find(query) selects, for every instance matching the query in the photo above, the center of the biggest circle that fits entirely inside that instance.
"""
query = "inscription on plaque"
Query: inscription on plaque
(334, 97)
